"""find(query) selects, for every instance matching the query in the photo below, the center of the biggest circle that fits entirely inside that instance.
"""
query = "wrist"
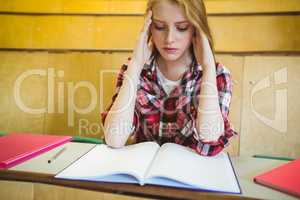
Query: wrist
(132, 73)
(209, 73)
(208, 68)
(137, 62)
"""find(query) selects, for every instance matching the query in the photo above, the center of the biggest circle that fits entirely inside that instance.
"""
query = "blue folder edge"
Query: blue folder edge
(236, 178)
(128, 179)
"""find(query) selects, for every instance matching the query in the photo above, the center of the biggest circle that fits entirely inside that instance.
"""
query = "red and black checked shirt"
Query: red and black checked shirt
(162, 118)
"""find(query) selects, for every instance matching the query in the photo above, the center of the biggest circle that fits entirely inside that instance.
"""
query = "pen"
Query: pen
(273, 157)
(56, 155)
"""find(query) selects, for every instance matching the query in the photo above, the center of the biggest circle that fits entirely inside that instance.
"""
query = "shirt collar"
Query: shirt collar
(150, 67)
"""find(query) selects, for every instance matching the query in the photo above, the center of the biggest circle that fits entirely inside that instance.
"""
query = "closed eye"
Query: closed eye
(183, 28)
(180, 27)
(159, 27)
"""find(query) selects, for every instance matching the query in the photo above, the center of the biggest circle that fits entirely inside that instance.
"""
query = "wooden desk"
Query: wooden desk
(34, 179)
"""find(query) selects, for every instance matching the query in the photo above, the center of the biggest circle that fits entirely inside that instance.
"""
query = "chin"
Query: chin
(170, 57)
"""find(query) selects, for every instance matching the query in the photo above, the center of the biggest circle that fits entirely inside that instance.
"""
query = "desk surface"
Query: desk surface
(39, 170)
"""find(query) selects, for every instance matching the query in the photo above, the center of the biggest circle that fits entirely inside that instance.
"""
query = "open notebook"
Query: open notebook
(148, 163)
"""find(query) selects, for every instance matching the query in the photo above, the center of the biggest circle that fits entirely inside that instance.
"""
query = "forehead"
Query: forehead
(168, 12)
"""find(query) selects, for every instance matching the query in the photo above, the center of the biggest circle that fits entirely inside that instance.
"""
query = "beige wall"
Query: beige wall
(85, 42)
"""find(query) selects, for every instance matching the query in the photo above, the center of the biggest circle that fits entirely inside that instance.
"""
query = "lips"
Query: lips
(170, 50)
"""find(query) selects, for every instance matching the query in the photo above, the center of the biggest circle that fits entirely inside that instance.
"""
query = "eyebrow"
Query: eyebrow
(180, 22)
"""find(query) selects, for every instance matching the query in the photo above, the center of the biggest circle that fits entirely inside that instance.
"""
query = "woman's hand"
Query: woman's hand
(142, 51)
(202, 51)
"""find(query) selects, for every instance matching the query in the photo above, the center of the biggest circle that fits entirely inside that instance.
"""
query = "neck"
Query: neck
(174, 69)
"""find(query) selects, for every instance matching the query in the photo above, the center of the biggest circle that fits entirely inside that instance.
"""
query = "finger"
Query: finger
(197, 37)
(149, 14)
(195, 42)
(199, 33)
(201, 37)
(146, 30)
(148, 21)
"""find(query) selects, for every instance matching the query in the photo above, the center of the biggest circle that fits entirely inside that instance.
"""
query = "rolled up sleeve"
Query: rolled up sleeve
(224, 86)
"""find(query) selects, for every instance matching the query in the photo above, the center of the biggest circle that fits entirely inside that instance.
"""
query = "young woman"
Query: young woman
(172, 90)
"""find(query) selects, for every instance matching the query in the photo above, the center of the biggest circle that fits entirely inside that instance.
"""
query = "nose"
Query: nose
(170, 37)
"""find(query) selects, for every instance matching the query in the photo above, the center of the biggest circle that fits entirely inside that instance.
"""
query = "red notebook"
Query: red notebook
(18, 147)
(285, 178)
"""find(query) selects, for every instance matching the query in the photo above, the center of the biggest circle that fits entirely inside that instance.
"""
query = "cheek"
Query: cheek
(157, 37)
(186, 39)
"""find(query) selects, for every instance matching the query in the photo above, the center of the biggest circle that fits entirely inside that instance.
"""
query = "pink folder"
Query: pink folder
(19, 147)
(285, 178)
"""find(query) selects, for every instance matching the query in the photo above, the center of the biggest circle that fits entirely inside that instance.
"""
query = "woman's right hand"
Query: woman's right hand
(142, 51)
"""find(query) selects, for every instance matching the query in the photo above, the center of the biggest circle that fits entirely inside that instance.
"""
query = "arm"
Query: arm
(119, 120)
(212, 127)
(209, 124)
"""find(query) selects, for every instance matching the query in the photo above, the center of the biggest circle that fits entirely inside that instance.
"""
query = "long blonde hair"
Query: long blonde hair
(195, 12)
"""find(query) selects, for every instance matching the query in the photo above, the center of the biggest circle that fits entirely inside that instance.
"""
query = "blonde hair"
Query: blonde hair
(196, 13)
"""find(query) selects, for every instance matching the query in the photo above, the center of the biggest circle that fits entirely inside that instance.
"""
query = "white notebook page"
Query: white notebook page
(103, 160)
(182, 164)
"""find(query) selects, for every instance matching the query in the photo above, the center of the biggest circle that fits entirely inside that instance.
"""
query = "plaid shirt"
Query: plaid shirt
(172, 118)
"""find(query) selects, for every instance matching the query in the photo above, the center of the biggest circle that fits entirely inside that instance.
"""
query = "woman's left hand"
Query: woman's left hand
(202, 50)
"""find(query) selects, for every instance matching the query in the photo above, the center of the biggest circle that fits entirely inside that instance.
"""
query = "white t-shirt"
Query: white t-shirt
(167, 84)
